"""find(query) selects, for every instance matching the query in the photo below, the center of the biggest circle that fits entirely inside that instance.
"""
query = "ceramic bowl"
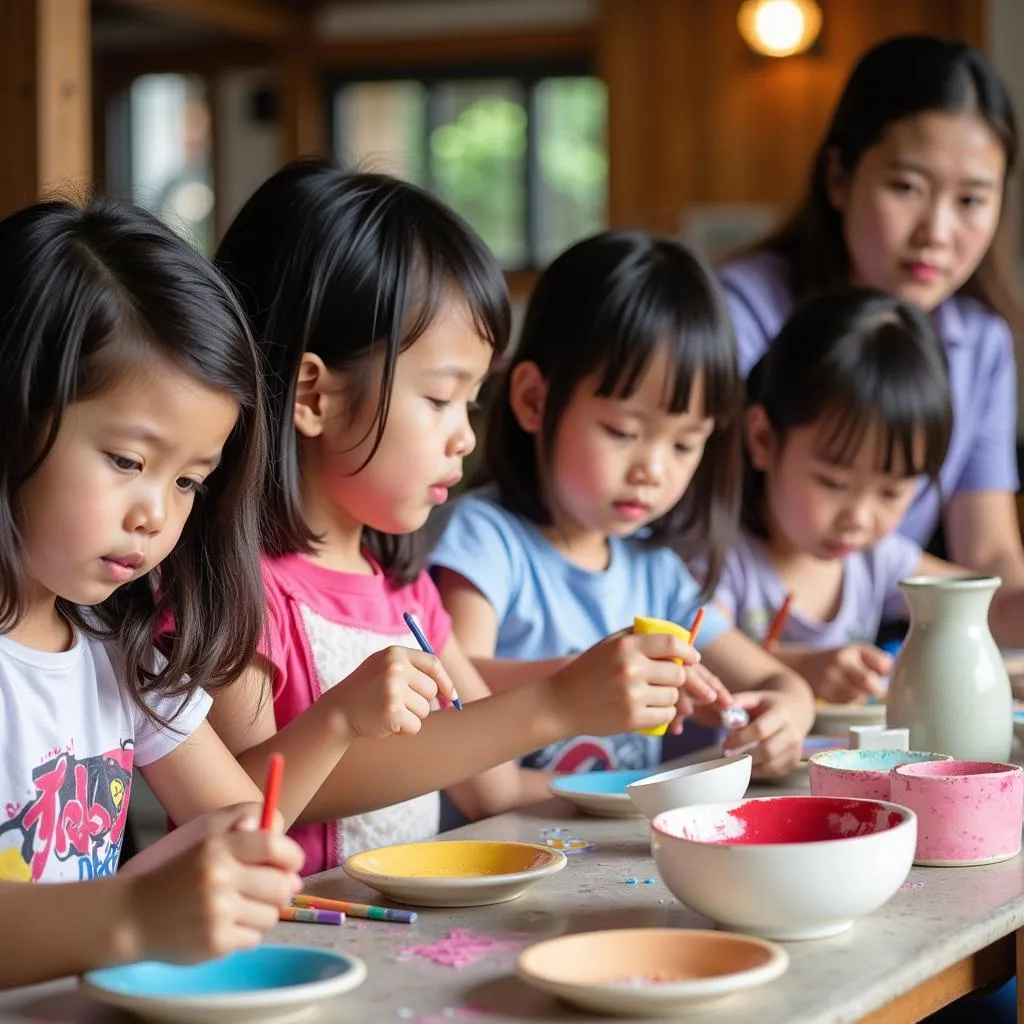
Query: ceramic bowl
(649, 972)
(455, 873)
(264, 985)
(599, 793)
(860, 774)
(709, 782)
(786, 867)
(968, 812)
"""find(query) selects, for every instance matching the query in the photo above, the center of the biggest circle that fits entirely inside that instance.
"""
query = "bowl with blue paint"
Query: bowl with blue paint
(602, 794)
(860, 774)
(264, 985)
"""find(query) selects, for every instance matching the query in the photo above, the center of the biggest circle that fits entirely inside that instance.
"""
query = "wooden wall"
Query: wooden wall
(695, 117)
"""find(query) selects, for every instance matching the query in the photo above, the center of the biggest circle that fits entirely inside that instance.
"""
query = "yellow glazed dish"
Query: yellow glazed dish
(455, 873)
(644, 624)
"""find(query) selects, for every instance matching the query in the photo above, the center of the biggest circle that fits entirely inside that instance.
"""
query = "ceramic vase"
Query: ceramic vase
(949, 686)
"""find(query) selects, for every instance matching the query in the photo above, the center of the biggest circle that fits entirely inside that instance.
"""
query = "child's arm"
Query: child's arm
(781, 702)
(220, 894)
(389, 693)
(623, 683)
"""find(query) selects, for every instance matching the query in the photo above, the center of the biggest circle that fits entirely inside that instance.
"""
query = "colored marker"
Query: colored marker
(414, 628)
(774, 634)
(272, 790)
(695, 628)
(356, 909)
(309, 916)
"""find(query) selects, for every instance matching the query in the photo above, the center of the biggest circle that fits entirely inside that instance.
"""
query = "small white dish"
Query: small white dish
(650, 972)
(708, 782)
(263, 985)
(836, 719)
(602, 794)
(456, 872)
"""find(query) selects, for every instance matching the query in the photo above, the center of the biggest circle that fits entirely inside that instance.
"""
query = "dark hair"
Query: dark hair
(86, 294)
(348, 266)
(608, 305)
(896, 79)
(855, 360)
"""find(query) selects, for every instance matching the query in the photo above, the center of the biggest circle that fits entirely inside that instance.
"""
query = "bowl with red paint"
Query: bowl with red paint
(968, 812)
(860, 774)
(787, 867)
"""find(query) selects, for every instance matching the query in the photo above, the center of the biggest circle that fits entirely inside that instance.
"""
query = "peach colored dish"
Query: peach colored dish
(649, 972)
(860, 774)
(969, 812)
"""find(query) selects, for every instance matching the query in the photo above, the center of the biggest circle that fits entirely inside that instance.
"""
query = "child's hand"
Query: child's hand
(848, 674)
(774, 737)
(390, 692)
(703, 712)
(219, 895)
(628, 682)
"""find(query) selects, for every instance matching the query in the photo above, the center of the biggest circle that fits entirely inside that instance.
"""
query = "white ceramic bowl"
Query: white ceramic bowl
(721, 780)
(788, 867)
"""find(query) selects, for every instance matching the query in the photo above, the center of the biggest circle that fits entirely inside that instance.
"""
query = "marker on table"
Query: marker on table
(414, 628)
(364, 910)
(308, 916)
(272, 790)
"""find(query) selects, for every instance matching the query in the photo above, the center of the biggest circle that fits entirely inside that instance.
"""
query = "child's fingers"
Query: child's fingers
(430, 665)
(267, 887)
(662, 646)
(266, 848)
(876, 660)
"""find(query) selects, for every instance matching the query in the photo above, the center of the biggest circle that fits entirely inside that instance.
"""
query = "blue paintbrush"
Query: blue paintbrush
(414, 627)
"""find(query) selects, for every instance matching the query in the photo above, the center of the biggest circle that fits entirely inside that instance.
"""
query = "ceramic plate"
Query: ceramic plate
(600, 793)
(454, 873)
(836, 719)
(650, 972)
(264, 985)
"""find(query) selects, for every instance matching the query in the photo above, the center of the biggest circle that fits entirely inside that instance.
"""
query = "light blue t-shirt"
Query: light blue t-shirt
(547, 607)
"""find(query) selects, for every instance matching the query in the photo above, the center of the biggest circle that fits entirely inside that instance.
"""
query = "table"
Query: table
(947, 932)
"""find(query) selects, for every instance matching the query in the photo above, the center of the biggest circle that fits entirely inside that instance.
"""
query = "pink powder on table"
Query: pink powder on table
(460, 948)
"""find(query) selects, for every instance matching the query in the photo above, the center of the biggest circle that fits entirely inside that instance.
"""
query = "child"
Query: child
(848, 412)
(377, 311)
(622, 391)
(129, 409)
(907, 195)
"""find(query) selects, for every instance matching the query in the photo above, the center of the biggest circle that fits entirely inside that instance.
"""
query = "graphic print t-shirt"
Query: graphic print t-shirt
(70, 736)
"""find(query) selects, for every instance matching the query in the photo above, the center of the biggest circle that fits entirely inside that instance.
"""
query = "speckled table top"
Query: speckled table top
(937, 918)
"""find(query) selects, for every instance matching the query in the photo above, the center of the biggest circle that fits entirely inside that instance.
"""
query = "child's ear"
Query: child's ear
(837, 180)
(527, 393)
(309, 412)
(759, 437)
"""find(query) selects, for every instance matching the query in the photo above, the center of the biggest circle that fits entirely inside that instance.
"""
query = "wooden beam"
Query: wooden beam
(303, 100)
(253, 19)
(45, 100)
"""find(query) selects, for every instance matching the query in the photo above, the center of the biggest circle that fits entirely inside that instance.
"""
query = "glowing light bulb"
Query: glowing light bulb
(779, 28)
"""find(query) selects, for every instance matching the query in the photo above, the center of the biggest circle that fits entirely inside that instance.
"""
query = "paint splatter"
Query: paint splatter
(460, 948)
(911, 885)
(630, 881)
(650, 881)
(570, 845)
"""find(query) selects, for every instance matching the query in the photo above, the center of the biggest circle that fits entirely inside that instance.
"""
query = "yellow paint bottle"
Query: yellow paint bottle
(645, 624)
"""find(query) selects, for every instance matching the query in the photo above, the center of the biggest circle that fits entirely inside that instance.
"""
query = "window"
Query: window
(522, 156)
(160, 153)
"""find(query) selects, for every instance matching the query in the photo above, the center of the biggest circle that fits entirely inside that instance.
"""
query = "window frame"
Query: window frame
(527, 73)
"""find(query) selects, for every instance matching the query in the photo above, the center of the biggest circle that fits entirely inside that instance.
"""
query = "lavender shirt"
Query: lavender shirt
(983, 379)
(751, 591)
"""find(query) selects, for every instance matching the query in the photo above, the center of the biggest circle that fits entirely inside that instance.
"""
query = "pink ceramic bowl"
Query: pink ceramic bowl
(969, 812)
(787, 867)
(860, 774)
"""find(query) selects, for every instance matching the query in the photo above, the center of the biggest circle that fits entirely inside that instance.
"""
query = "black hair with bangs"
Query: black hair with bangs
(608, 306)
(348, 266)
(853, 361)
